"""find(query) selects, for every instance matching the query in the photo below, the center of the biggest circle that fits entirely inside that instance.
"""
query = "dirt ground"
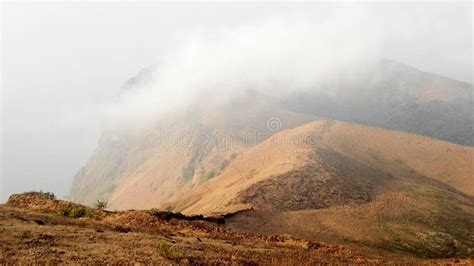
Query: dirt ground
(31, 231)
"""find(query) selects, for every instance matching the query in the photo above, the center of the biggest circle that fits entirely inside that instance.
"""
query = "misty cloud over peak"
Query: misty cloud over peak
(275, 57)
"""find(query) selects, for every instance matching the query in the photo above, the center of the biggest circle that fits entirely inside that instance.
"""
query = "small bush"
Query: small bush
(101, 205)
(77, 212)
(169, 251)
(205, 176)
(64, 209)
(48, 195)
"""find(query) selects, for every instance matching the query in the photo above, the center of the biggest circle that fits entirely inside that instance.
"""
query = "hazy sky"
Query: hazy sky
(62, 62)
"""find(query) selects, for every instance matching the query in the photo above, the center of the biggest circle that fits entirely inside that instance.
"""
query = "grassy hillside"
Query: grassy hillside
(351, 184)
(36, 230)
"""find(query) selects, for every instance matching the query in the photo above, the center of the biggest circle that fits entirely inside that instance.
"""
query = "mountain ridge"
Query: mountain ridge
(301, 171)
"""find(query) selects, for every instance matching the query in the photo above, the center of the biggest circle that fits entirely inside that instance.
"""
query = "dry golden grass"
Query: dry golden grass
(418, 190)
(31, 234)
(439, 160)
(392, 153)
(271, 157)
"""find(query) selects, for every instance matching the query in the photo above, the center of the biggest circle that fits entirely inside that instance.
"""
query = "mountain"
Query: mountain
(394, 96)
(331, 148)
(291, 165)
(142, 169)
(348, 183)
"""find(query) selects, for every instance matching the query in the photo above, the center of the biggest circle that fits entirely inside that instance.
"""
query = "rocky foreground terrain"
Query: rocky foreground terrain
(37, 228)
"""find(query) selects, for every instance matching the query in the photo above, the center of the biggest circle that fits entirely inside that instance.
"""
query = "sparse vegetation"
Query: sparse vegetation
(226, 163)
(205, 176)
(77, 212)
(197, 154)
(195, 248)
(64, 209)
(48, 195)
(155, 211)
(190, 167)
(101, 205)
(44, 195)
(67, 209)
(169, 251)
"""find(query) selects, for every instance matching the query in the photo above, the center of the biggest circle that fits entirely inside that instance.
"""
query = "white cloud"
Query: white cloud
(276, 56)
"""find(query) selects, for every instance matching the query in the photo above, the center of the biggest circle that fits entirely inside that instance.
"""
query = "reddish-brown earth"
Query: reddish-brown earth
(32, 231)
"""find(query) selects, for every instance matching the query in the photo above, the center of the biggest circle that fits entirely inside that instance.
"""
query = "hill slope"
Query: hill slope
(143, 169)
(343, 149)
(339, 181)
(34, 230)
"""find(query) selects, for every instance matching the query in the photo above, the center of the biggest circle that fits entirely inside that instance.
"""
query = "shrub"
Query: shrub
(48, 195)
(101, 205)
(77, 212)
(64, 209)
(205, 176)
(169, 251)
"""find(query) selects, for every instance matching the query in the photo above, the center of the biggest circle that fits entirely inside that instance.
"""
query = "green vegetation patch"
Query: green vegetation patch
(170, 251)
(68, 210)
(190, 167)
(206, 175)
(77, 212)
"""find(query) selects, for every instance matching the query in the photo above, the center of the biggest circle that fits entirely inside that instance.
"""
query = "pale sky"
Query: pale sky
(61, 62)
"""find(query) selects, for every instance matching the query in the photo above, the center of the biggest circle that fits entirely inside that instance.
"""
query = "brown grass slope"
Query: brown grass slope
(33, 230)
(345, 182)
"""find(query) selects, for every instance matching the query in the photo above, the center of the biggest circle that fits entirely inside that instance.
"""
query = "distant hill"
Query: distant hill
(394, 96)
